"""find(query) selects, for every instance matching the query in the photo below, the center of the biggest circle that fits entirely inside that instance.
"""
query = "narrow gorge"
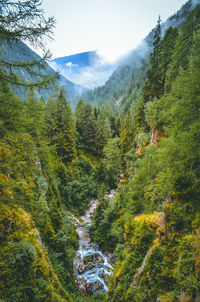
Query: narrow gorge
(91, 266)
(63, 237)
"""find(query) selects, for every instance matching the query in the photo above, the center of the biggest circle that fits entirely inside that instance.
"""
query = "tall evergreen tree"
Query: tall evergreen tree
(11, 111)
(103, 132)
(167, 47)
(35, 116)
(62, 130)
(152, 87)
(86, 127)
(127, 138)
(181, 55)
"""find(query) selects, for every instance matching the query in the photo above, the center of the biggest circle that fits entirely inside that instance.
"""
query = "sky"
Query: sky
(113, 27)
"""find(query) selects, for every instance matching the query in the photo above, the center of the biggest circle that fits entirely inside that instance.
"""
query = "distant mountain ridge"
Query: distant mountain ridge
(82, 59)
(19, 51)
(124, 77)
(87, 69)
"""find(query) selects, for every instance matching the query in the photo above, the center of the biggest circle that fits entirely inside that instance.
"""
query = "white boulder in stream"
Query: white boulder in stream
(91, 266)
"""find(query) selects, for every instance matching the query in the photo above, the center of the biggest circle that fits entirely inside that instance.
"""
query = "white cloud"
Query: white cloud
(69, 64)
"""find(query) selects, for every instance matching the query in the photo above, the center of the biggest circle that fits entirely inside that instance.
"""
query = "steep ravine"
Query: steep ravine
(91, 266)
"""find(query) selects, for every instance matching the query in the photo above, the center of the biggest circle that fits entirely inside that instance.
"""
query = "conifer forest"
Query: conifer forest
(99, 191)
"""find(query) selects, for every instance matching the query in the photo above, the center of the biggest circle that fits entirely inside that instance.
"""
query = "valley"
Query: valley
(99, 188)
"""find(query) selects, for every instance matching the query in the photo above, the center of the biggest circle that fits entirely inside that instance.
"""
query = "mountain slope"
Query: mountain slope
(18, 51)
(88, 69)
(124, 77)
(84, 59)
(153, 225)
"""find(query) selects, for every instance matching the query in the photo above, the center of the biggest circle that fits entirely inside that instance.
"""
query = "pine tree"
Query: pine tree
(35, 116)
(103, 132)
(181, 55)
(12, 115)
(127, 138)
(152, 87)
(79, 111)
(86, 127)
(167, 47)
(62, 129)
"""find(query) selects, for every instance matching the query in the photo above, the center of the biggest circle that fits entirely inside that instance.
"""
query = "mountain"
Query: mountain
(155, 221)
(80, 60)
(88, 69)
(124, 79)
(18, 51)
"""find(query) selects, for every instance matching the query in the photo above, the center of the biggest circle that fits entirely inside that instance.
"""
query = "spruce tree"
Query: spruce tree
(167, 47)
(153, 84)
(12, 115)
(62, 129)
(181, 55)
(127, 138)
(86, 127)
(103, 132)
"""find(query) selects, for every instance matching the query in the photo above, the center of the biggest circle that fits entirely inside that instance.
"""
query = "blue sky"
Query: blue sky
(111, 26)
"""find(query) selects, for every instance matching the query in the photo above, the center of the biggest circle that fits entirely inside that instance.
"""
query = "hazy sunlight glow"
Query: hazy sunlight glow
(112, 27)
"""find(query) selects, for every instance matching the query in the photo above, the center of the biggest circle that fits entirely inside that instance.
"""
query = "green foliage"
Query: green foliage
(78, 193)
(23, 258)
(138, 235)
(86, 127)
(94, 298)
(180, 56)
(53, 161)
(11, 114)
(103, 132)
(112, 162)
(35, 175)
(25, 21)
(166, 51)
(152, 86)
(158, 254)
(127, 138)
(26, 273)
(61, 127)
(101, 224)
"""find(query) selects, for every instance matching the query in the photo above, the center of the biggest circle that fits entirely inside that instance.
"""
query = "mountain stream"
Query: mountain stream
(91, 266)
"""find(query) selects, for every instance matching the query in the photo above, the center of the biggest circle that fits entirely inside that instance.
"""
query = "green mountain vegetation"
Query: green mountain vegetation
(17, 51)
(152, 226)
(23, 68)
(125, 84)
(53, 161)
(45, 178)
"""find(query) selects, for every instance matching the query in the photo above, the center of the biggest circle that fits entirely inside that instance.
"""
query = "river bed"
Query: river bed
(91, 266)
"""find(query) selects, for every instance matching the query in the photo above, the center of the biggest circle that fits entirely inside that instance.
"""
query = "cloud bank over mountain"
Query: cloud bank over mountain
(88, 69)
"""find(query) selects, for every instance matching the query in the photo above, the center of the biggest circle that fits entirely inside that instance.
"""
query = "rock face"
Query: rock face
(155, 136)
(91, 266)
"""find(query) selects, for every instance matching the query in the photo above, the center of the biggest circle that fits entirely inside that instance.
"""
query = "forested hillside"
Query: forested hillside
(54, 160)
(15, 52)
(124, 85)
(49, 171)
(153, 224)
